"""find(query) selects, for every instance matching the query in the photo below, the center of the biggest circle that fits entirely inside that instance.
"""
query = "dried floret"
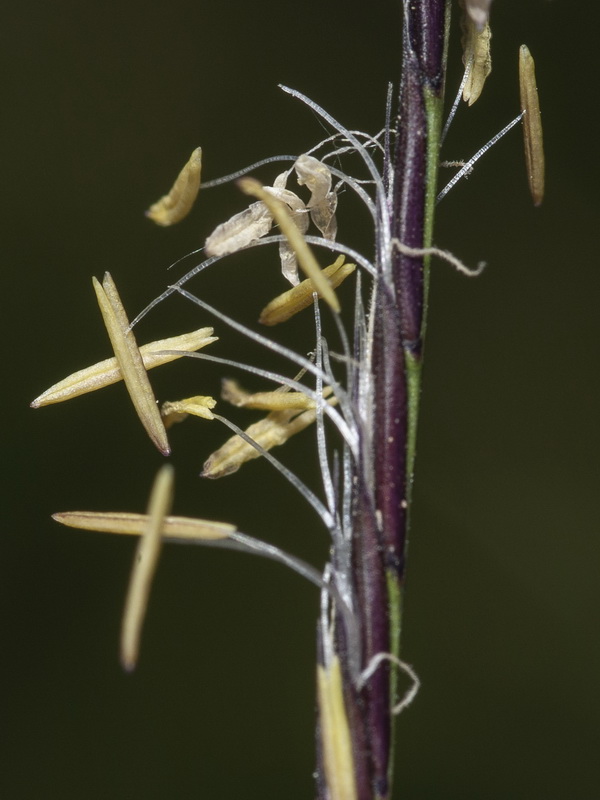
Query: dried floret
(316, 176)
(305, 256)
(240, 231)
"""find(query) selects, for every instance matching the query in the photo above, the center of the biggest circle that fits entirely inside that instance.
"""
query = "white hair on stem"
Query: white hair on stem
(444, 255)
(468, 167)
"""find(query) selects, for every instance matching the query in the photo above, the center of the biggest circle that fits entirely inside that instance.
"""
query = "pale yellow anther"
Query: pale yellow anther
(265, 401)
(144, 567)
(532, 126)
(477, 57)
(296, 241)
(130, 361)
(176, 205)
(107, 372)
(177, 410)
(285, 305)
(336, 741)
(128, 524)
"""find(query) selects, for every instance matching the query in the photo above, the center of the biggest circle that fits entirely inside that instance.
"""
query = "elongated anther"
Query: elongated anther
(128, 524)
(107, 372)
(130, 361)
(532, 125)
(299, 297)
(336, 740)
(177, 204)
(144, 567)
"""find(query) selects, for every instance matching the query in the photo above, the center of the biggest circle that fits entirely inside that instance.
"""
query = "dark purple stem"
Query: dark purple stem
(380, 512)
(381, 537)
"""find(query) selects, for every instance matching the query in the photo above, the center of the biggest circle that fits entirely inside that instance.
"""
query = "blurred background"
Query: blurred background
(103, 102)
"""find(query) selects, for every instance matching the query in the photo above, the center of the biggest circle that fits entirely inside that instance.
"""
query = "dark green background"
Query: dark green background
(101, 104)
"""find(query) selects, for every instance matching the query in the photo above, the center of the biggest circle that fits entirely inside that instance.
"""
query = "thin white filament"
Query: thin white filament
(245, 170)
(382, 226)
(174, 287)
(469, 164)
(444, 255)
(339, 393)
(271, 376)
(321, 441)
(373, 665)
(454, 108)
(295, 481)
(319, 241)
